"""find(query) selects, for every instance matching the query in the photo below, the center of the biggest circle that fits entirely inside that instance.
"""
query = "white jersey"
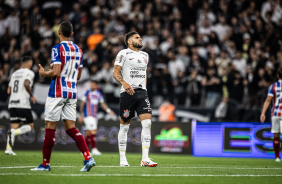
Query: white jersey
(19, 96)
(134, 67)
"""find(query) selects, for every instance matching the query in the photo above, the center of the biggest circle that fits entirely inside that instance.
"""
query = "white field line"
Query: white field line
(146, 175)
(258, 168)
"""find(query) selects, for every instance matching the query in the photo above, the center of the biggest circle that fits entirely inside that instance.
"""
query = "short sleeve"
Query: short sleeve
(120, 58)
(30, 76)
(270, 91)
(55, 55)
(101, 98)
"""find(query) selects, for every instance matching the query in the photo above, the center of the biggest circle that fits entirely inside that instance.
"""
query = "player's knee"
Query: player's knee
(50, 124)
(31, 125)
(124, 121)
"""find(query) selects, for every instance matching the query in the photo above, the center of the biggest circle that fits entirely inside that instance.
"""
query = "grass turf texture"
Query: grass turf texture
(65, 168)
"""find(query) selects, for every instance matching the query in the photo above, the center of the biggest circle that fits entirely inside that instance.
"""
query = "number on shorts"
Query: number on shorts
(147, 101)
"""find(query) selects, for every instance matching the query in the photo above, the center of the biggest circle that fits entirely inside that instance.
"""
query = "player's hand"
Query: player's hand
(80, 119)
(41, 70)
(262, 118)
(112, 113)
(128, 88)
(33, 99)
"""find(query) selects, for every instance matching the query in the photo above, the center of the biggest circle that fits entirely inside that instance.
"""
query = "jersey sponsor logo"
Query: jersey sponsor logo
(139, 69)
(138, 61)
(55, 53)
(135, 74)
(76, 54)
(126, 113)
(15, 101)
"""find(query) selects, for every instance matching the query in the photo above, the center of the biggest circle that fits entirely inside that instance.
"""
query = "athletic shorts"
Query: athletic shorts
(20, 115)
(276, 124)
(138, 102)
(90, 123)
(60, 108)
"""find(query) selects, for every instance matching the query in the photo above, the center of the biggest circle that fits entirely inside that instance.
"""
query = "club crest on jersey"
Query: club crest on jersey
(126, 113)
(54, 54)
(145, 60)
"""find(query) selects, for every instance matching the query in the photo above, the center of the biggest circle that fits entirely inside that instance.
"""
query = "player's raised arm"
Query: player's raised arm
(117, 75)
(54, 72)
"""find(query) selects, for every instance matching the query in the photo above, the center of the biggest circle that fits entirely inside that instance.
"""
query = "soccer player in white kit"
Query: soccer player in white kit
(19, 103)
(67, 63)
(130, 71)
(275, 94)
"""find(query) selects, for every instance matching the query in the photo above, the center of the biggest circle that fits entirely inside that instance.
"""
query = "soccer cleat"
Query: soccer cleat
(277, 159)
(41, 167)
(96, 152)
(88, 164)
(148, 163)
(9, 152)
(124, 163)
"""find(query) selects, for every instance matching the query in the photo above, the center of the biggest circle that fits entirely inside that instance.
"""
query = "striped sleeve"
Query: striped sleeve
(271, 90)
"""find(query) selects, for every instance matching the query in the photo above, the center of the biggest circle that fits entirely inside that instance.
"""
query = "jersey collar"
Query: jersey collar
(133, 50)
(66, 42)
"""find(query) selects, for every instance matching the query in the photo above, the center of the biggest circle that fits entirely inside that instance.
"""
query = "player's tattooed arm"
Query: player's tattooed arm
(117, 74)
(28, 89)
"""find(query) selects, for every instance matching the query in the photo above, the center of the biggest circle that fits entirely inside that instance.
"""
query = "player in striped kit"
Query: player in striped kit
(275, 94)
(66, 61)
(88, 114)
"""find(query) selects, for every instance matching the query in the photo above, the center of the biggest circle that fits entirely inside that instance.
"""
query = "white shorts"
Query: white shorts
(276, 124)
(90, 123)
(60, 108)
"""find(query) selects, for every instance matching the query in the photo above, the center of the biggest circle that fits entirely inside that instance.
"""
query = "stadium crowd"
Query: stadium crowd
(201, 52)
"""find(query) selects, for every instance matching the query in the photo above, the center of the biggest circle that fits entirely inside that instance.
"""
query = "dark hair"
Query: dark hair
(279, 73)
(66, 28)
(128, 35)
(26, 59)
(94, 81)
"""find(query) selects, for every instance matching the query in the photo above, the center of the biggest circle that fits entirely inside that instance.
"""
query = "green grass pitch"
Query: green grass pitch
(176, 169)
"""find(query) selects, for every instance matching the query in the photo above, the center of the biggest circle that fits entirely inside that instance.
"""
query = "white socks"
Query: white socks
(122, 140)
(23, 129)
(146, 138)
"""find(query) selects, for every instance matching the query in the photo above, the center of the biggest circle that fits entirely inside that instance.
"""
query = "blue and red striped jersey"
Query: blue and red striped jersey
(275, 90)
(92, 100)
(70, 57)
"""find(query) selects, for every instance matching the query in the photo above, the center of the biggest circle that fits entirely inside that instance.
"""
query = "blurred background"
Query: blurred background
(211, 60)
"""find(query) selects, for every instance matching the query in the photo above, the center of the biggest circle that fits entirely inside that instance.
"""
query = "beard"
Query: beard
(137, 45)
